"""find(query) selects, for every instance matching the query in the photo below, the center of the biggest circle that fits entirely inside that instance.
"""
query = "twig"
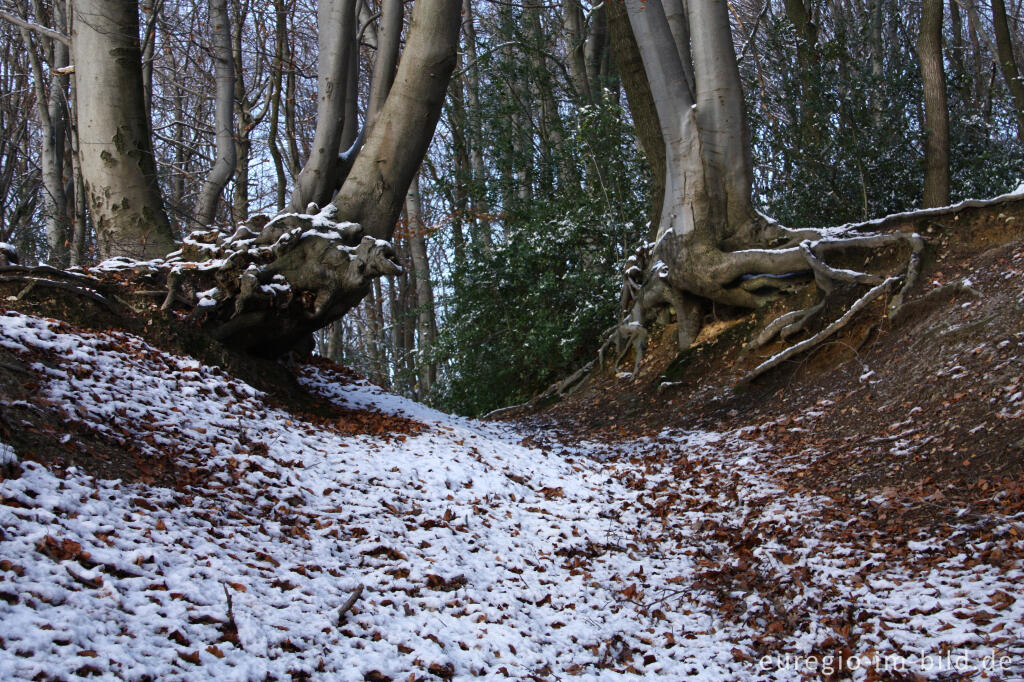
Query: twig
(349, 603)
(31, 26)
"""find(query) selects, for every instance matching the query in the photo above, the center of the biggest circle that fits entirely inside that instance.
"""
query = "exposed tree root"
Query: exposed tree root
(262, 289)
(657, 287)
(668, 275)
(821, 336)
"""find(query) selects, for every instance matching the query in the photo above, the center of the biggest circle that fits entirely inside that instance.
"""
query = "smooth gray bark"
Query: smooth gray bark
(376, 186)
(118, 168)
(51, 113)
(276, 85)
(679, 25)
(318, 179)
(575, 34)
(389, 41)
(596, 48)
(641, 104)
(426, 325)
(224, 99)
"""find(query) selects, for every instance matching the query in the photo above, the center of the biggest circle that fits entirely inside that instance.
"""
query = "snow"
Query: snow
(480, 552)
(7, 455)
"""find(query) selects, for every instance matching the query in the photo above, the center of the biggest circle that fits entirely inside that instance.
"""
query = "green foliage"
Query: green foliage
(984, 160)
(834, 142)
(533, 308)
(836, 134)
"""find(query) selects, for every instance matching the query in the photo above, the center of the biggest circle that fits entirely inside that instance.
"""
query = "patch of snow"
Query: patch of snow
(7, 455)
(477, 553)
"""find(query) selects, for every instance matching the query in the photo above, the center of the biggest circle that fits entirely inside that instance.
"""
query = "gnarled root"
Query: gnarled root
(754, 277)
(883, 288)
(826, 277)
(263, 289)
(266, 291)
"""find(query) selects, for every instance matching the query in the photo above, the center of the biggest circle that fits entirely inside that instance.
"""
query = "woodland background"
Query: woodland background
(534, 190)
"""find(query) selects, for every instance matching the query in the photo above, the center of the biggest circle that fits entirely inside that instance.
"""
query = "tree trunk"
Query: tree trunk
(641, 104)
(50, 112)
(276, 85)
(117, 160)
(388, 42)
(710, 242)
(151, 11)
(595, 49)
(318, 179)
(336, 341)
(426, 325)
(224, 100)
(810, 123)
(877, 60)
(375, 189)
(1008, 64)
(350, 139)
(79, 222)
(480, 230)
(573, 25)
(978, 61)
(957, 56)
(936, 111)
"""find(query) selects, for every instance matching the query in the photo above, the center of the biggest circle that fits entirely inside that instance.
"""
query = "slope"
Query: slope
(375, 539)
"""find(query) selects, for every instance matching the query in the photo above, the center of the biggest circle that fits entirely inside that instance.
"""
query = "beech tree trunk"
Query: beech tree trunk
(50, 110)
(276, 85)
(641, 103)
(936, 111)
(710, 243)
(389, 39)
(320, 176)
(375, 188)
(480, 223)
(573, 23)
(426, 325)
(118, 168)
(224, 98)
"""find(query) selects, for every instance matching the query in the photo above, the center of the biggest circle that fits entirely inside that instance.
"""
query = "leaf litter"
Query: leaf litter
(383, 540)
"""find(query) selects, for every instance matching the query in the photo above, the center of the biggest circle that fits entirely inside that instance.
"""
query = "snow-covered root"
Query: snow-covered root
(46, 278)
(263, 288)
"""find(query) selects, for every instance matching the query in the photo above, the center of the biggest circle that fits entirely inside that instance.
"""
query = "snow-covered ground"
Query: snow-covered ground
(469, 548)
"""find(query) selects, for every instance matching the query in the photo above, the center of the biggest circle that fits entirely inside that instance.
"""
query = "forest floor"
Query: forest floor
(859, 514)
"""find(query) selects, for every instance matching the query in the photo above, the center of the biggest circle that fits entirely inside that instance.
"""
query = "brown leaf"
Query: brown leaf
(190, 657)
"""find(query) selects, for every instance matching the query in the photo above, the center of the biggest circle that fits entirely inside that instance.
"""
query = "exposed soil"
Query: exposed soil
(927, 409)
